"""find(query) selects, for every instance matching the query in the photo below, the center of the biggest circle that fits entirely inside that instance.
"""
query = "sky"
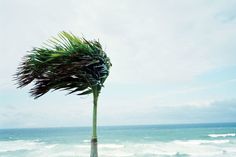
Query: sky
(173, 61)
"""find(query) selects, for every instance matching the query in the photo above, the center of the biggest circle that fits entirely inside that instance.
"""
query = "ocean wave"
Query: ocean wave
(111, 145)
(222, 135)
(200, 142)
(19, 145)
(176, 148)
(86, 141)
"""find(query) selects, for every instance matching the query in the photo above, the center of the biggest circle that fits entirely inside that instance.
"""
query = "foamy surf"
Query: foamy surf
(176, 148)
(138, 141)
(222, 135)
(6, 146)
(201, 142)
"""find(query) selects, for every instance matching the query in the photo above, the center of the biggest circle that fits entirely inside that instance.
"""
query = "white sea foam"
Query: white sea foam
(200, 142)
(19, 145)
(86, 141)
(222, 135)
(193, 148)
(111, 146)
(50, 146)
(176, 148)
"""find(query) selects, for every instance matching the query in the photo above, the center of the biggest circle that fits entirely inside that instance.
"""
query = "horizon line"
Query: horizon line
(125, 125)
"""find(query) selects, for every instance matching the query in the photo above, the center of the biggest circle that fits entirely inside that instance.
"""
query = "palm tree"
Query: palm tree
(67, 63)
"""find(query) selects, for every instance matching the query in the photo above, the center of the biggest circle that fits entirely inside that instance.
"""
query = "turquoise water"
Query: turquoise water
(192, 140)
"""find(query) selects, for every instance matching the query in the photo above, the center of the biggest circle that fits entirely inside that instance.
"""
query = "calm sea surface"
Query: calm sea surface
(192, 140)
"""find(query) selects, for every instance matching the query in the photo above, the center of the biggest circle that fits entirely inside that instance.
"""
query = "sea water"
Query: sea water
(192, 140)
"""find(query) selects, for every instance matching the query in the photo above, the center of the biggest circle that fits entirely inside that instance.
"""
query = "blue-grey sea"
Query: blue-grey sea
(191, 140)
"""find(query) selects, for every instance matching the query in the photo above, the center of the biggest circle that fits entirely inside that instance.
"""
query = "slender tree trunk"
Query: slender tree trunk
(94, 151)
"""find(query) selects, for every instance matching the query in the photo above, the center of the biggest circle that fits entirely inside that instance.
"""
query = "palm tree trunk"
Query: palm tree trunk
(94, 151)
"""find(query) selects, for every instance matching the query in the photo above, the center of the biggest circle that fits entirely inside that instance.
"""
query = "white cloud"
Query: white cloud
(156, 44)
(149, 43)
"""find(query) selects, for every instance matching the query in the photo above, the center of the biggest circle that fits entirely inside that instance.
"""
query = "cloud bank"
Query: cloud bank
(167, 56)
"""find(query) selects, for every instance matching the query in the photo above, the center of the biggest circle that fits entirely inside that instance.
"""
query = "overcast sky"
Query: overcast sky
(174, 61)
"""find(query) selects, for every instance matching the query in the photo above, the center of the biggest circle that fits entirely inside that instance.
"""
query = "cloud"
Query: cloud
(146, 41)
(160, 45)
(159, 50)
(52, 110)
(213, 112)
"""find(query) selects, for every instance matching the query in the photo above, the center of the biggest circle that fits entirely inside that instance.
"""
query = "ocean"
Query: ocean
(189, 140)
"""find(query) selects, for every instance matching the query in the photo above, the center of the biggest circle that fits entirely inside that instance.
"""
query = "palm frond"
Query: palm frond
(67, 63)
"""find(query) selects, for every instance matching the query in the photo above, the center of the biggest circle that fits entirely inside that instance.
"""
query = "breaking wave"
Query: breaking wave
(175, 148)
(222, 135)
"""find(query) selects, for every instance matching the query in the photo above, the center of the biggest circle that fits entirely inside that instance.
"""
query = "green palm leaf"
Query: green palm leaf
(66, 63)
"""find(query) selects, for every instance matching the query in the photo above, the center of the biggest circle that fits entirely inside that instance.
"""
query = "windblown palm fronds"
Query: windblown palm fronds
(67, 63)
